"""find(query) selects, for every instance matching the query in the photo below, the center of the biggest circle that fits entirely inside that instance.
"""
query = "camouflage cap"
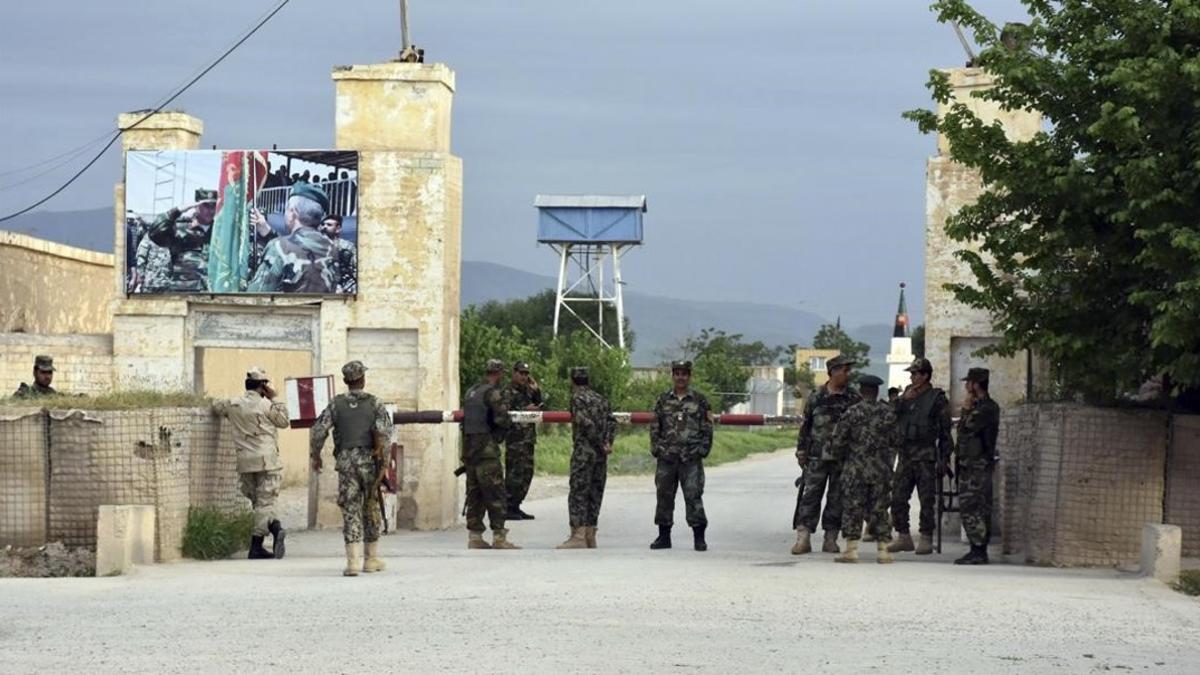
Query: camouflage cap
(355, 370)
(495, 366)
(977, 375)
(521, 367)
(839, 361)
(310, 191)
(681, 365)
(920, 365)
(206, 195)
(870, 381)
(257, 373)
(44, 363)
(579, 372)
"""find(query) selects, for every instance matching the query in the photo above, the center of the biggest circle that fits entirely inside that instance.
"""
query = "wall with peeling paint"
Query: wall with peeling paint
(51, 288)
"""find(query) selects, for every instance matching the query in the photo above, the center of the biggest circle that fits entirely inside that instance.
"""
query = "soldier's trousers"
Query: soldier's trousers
(923, 476)
(975, 500)
(866, 497)
(672, 474)
(818, 475)
(588, 476)
(359, 501)
(262, 489)
(518, 470)
(485, 492)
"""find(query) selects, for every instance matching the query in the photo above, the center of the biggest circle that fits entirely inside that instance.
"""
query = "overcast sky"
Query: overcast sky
(765, 133)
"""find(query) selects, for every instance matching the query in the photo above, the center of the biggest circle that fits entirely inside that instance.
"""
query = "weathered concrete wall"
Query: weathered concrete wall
(83, 363)
(51, 288)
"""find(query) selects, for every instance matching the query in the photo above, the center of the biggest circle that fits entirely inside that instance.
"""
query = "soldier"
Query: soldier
(868, 436)
(345, 261)
(256, 418)
(522, 393)
(816, 454)
(302, 261)
(43, 375)
(153, 267)
(680, 438)
(975, 457)
(485, 421)
(187, 243)
(924, 417)
(592, 429)
(359, 421)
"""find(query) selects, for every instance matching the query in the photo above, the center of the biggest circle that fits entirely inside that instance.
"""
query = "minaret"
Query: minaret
(900, 355)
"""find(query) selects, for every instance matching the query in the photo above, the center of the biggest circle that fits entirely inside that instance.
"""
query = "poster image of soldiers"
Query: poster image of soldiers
(241, 221)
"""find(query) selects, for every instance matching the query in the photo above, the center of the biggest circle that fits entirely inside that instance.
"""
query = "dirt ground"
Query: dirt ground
(51, 560)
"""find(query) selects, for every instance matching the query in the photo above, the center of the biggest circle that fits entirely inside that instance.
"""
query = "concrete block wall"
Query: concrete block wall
(83, 362)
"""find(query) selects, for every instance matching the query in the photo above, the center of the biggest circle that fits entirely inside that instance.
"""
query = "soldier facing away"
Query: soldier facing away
(924, 417)
(256, 418)
(522, 393)
(680, 438)
(868, 435)
(485, 422)
(302, 261)
(43, 375)
(187, 242)
(817, 455)
(592, 430)
(975, 458)
(358, 421)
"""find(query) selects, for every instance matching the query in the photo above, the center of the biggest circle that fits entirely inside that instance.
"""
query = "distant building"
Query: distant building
(900, 356)
(815, 360)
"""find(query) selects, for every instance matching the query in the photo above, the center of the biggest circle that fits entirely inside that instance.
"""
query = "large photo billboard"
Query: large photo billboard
(241, 221)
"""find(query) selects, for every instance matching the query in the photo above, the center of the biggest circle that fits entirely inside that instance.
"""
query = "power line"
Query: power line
(262, 22)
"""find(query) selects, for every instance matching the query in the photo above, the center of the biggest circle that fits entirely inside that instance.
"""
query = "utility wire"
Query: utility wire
(149, 114)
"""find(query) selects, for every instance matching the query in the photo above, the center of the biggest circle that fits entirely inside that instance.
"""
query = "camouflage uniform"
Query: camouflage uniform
(924, 423)
(592, 428)
(154, 266)
(680, 438)
(868, 436)
(975, 458)
(43, 363)
(187, 244)
(345, 264)
(816, 452)
(301, 262)
(354, 417)
(519, 444)
(485, 421)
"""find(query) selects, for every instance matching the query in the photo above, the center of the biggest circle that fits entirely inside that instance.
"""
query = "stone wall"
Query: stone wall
(83, 363)
(51, 288)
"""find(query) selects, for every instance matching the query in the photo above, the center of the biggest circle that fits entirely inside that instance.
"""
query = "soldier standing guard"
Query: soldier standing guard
(975, 458)
(924, 418)
(256, 418)
(485, 420)
(43, 375)
(680, 438)
(868, 436)
(522, 393)
(592, 429)
(357, 419)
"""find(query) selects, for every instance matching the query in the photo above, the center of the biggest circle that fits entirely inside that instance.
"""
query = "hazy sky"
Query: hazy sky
(765, 133)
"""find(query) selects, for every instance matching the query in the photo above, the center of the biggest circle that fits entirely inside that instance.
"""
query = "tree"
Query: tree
(721, 364)
(918, 341)
(479, 341)
(534, 316)
(831, 336)
(1085, 246)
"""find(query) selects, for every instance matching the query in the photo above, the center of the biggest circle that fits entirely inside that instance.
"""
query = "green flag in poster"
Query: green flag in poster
(242, 175)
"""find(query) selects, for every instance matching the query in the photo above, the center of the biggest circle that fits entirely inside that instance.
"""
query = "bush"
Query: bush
(631, 449)
(123, 400)
(1189, 582)
(213, 534)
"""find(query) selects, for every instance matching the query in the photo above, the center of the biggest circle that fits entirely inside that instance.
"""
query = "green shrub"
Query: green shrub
(631, 450)
(1189, 582)
(124, 400)
(214, 534)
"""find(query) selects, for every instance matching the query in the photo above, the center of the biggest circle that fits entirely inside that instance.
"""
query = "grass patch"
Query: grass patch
(1189, 582)
(213, 534)
(124, 400)
(631, 451)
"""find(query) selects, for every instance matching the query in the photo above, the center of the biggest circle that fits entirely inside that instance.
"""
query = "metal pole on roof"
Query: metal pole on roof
(404, 43)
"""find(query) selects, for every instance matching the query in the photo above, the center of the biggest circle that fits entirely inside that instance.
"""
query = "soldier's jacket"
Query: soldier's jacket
(924, 425)
(682, 428)
(154, 265)
(592, 423)
(822, 411)
(518, 397)
(301, 262)
(352, 417)
(33, 391)
(188, 246)
(345, 265)
(485, 414)
(256, 422)
(866, 437)
(977, 432)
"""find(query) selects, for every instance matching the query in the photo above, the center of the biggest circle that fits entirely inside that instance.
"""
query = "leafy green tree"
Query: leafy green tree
(831, 336)
(479, 341)
(534, 316)
(1084, 244)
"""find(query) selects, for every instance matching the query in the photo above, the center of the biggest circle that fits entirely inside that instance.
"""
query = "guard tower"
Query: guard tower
(590, 234)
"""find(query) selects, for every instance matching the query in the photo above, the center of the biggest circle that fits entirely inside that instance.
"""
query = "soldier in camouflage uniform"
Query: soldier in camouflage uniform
(522, 393)
(485, 422)
(817, 455)
(680, 438)
(345, 262)
(43, 375)
(153, 263)
(187, 243)
(357, 420)
(868, 436)
(975, 458)
(302, 261)
(592, 429)
(923, 413)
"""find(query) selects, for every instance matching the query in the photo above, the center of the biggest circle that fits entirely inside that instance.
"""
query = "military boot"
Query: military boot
(353, 559)
(903, 542)
(977, 556)
(277, 536)
(476, 540)
(830, 544)
(500, 540)
(513, 513)
(257, 552)
(578, 539)
(803, 542)
(883, 555)
(525, 515)
(851, 554)
(924, 544)
(664, 538)
(373, 563)
(589, 533)
(698, 541)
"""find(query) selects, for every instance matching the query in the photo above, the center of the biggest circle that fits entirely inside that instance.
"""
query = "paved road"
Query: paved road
(745, 605)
